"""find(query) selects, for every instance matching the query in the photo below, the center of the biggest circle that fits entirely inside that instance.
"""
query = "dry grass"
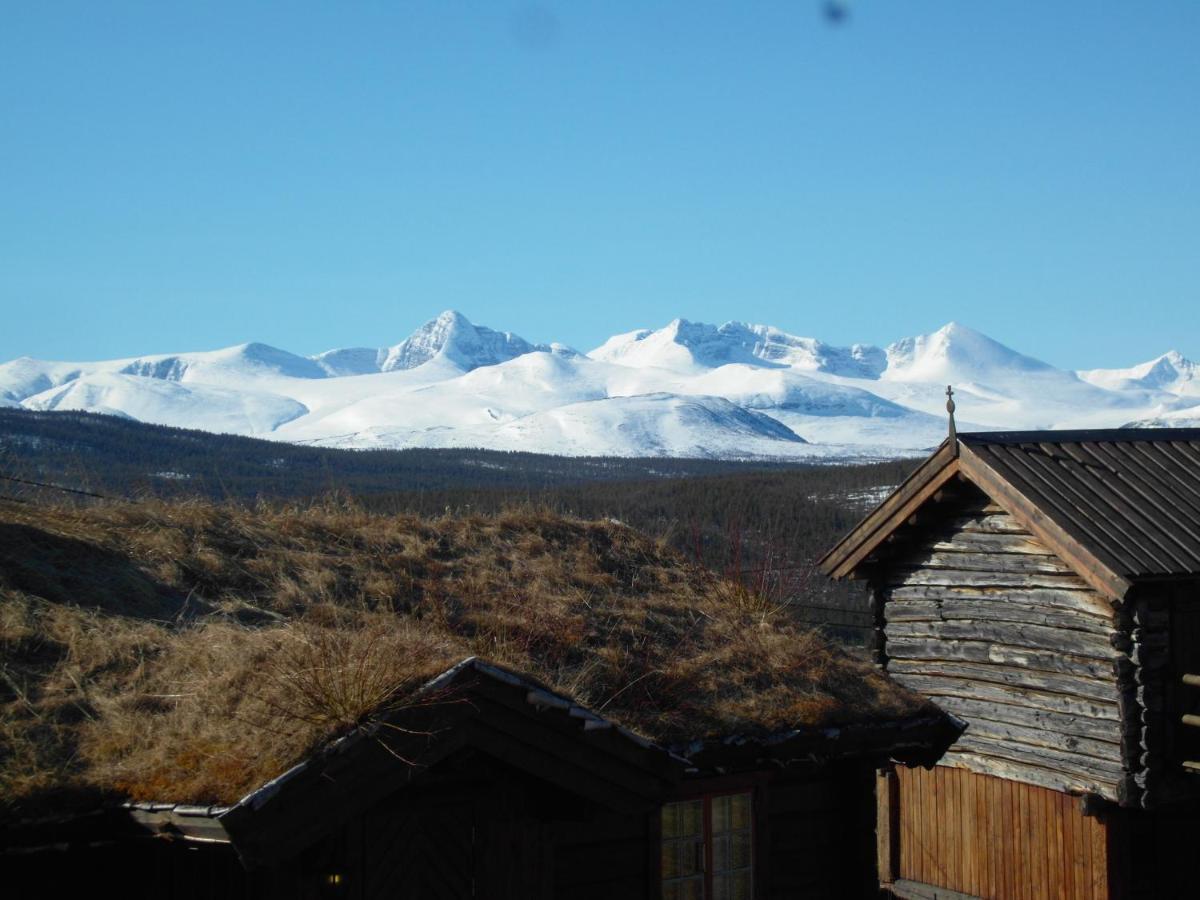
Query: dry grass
(188, 652)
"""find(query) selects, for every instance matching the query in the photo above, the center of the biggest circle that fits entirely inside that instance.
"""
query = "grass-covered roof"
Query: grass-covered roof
(188, 652)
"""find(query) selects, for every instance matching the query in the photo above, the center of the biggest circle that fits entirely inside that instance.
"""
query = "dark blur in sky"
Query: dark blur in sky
(187, 176)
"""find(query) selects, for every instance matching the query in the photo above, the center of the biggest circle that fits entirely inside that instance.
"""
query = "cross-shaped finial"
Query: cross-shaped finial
(950, 409)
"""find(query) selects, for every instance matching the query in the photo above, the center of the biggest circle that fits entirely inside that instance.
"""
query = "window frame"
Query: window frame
(707, 792)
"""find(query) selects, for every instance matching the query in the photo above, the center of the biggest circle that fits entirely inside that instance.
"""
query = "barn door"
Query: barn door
(420, 854)
(478, 848)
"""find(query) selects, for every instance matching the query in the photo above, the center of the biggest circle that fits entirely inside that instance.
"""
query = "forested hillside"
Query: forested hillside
(758, 523)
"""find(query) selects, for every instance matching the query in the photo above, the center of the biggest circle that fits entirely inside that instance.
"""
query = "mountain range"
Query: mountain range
(685, 390)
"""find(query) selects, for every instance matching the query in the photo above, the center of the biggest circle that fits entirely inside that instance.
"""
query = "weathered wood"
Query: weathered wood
(1080, 726)
(1073, 599)
(902, 576)
(984, 522)
(1015, 634)
(983, 542)
(928, 648)
(1005, 563)
(919, 487)
(1007, 610)
(1099, 568)
(887, 836)
(1067, 763)
(1106, 750)
(941, 686)
(1029, 774)
(1081, 600)
(1092, 688)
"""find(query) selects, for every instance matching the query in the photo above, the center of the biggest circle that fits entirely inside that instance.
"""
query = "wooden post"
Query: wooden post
(887, 832)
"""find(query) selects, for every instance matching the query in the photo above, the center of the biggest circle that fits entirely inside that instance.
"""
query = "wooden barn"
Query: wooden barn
(1044, 588)
(484, 783)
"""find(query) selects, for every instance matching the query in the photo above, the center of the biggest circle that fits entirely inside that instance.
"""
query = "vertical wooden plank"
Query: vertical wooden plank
(1054, 838)
(992, 836)
(1025, 836)
(1068, 808)
(1097, 853)
(933, 832)
(967, 827)
(1004, 833)
(1041, 837)
(887, 811)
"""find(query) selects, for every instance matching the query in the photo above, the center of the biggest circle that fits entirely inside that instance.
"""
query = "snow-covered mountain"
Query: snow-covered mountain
(687, 389)
(449, 337)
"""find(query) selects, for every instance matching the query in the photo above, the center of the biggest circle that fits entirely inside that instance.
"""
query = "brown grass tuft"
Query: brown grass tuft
(190, 651)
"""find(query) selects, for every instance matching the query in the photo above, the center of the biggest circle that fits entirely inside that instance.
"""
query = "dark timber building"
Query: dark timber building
(486, 784)
(1043, 587)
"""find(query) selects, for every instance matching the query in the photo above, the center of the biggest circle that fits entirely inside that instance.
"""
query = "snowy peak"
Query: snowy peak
(453, 337)
(251, 359)
(687, 388)
(956, 353)
(685, 346)
(1171, 372)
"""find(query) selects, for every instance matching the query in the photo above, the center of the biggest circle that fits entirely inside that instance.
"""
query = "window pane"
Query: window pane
(720, 846)
(734, 886)
(739, 849)
(683, 819)
(740, 811)
(720, 814)
(670, 820)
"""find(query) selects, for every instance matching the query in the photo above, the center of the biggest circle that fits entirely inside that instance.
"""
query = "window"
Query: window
(707, 851)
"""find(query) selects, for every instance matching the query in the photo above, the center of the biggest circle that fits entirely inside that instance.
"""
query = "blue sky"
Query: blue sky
(182, 176)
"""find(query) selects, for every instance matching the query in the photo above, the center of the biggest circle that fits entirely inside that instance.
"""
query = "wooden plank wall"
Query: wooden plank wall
(995, 838)
(980, 616)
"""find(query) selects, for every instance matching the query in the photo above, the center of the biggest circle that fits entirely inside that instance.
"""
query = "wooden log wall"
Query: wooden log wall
(996, 838)
(980, 616)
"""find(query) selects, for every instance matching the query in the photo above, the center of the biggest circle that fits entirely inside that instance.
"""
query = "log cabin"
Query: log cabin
(1043, 588)
(485, 783)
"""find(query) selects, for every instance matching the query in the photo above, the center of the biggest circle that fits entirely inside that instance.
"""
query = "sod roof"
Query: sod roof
(191, 652)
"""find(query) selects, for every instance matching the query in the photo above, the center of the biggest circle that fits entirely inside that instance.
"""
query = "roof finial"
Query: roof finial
(950, 409)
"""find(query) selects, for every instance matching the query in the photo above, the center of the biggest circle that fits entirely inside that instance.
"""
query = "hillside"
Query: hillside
(189, 651)
(763, 523)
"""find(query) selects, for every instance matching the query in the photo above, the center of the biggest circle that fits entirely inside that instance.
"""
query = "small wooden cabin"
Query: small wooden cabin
(1044, 588)
(487, 784)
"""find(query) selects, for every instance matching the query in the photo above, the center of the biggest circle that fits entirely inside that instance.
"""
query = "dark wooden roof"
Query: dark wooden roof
(1118, 505)
(1131, 496)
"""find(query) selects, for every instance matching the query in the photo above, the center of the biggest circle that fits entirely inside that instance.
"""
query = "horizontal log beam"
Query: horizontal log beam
(1083, 601)
(1003, 565)
(1063, 723)
(1035, 637)
(996, 610)
(926, 648)
(1013, 696)
(1031, 774)
(1102, 688)
(902, 576)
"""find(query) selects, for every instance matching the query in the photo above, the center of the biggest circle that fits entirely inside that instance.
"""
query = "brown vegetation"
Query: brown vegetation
(190, 651)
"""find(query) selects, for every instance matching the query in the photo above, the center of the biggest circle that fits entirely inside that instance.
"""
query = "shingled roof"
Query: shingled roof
(1118, 505)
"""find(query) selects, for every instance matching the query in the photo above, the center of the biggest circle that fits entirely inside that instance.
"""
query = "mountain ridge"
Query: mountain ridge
(685, 389)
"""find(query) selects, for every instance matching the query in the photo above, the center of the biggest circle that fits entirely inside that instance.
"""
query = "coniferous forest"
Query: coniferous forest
(759, 522)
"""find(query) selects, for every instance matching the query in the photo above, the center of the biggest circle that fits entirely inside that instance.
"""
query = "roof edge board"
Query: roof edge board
(879, 521)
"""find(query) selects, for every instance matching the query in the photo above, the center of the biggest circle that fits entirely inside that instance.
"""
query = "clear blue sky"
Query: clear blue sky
(317, 174)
